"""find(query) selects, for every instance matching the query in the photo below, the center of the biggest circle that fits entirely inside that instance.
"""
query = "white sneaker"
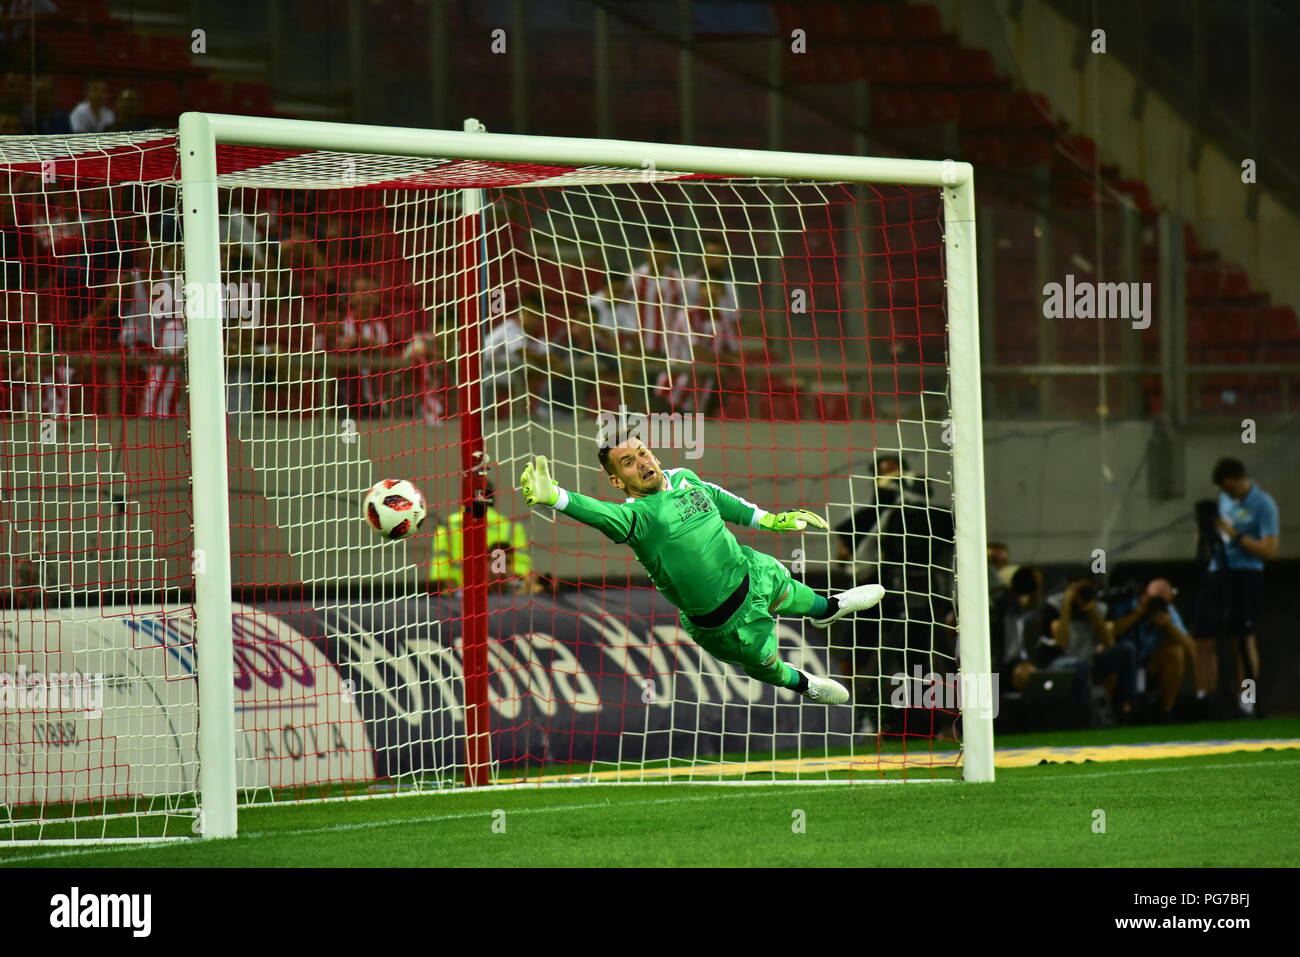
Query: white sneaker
(855, 599)
(826, 691)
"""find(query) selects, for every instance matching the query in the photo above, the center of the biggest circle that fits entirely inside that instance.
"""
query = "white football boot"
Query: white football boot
(855, 599)
(825, 690)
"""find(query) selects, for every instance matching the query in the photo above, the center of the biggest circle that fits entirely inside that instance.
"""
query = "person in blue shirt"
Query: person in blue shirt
(1227, 604)
(1163, 645)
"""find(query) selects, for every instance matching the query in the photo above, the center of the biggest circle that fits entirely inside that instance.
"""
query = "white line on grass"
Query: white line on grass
(1185, 767)
(393, 822)
(435, 818)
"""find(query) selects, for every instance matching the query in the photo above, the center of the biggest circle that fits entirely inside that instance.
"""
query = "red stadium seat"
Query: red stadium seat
(1200, 327)
(884, 65)
(893, 108)
(1030, 111)
(171, 53)
(929, 66)
(208, 95)
(973, 67)
(1281, 322)
(252, 98)
(986, 150)
(917, 23)
(985, 109)
(875, 20)
(160, 100)
(1236, 285)
(936, 106)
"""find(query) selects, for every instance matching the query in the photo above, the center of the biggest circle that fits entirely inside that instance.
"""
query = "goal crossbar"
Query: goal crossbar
(200, 136)
(197, 128)
(201, 132)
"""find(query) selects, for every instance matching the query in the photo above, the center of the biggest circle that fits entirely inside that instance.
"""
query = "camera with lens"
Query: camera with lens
(1208, 542)
(1207, 516)
(1085, 594)
(1156, 605)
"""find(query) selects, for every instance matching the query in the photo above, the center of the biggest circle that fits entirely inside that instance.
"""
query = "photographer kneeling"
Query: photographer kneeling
(1077, 637)
(1163, 646)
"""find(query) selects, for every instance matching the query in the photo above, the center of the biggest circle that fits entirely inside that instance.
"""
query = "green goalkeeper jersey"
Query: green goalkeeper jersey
(679, 534)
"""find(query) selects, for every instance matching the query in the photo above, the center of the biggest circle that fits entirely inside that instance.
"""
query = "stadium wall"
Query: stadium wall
(1153, 145)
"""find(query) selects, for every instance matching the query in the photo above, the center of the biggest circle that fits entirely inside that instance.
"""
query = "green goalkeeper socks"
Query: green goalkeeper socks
(802, 600)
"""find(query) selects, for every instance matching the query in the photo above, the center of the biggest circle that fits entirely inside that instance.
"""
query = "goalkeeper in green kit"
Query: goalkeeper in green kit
(728, 594)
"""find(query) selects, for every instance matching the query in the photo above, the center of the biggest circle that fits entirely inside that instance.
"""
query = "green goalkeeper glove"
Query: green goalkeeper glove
(795, 521)
(537, 485)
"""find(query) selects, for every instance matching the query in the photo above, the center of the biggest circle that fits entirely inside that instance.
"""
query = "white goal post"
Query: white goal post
(182, 510)
(201, 132)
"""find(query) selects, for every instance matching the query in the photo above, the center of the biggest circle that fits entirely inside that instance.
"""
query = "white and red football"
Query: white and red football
(394, 508)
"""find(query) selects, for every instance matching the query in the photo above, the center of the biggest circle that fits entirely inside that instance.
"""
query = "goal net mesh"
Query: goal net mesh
(782, 339)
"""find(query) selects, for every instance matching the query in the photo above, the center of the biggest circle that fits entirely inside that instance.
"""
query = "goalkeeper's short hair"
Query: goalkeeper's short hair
(607, 440)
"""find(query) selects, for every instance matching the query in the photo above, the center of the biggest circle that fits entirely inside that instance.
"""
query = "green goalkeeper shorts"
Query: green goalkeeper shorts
(748, 638)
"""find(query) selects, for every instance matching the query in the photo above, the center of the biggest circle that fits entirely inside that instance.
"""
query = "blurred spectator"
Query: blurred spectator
(509, 564)
(681, 346)
(1227, 604)
(1163, 646)
(999, 562)
(305, 260)
(124, 313)
(894, 525)
(1076, 636)
(904, 541)
(243, 233)
(52, 225)
(713, 316)
(364, 331)
(256, 365)
(519, 358)
(126, 110)
(657, 293)
(615, 340)
(433, 380)
(164, 387)
(40, 116)
(93, 114)
(614, 322)
(13, 243)
(715, 288)
(106, 241)
(1017, 626)
(699, 336)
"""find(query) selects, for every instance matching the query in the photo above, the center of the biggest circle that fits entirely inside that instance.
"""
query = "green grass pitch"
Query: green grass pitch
(1235, 809)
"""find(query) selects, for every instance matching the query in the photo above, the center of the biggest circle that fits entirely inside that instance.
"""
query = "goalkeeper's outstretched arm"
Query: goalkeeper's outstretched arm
(736, 510)
(617, 523)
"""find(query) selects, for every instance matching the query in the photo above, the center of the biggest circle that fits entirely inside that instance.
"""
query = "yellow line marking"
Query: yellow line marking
(1024, 757)
(923, 761)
